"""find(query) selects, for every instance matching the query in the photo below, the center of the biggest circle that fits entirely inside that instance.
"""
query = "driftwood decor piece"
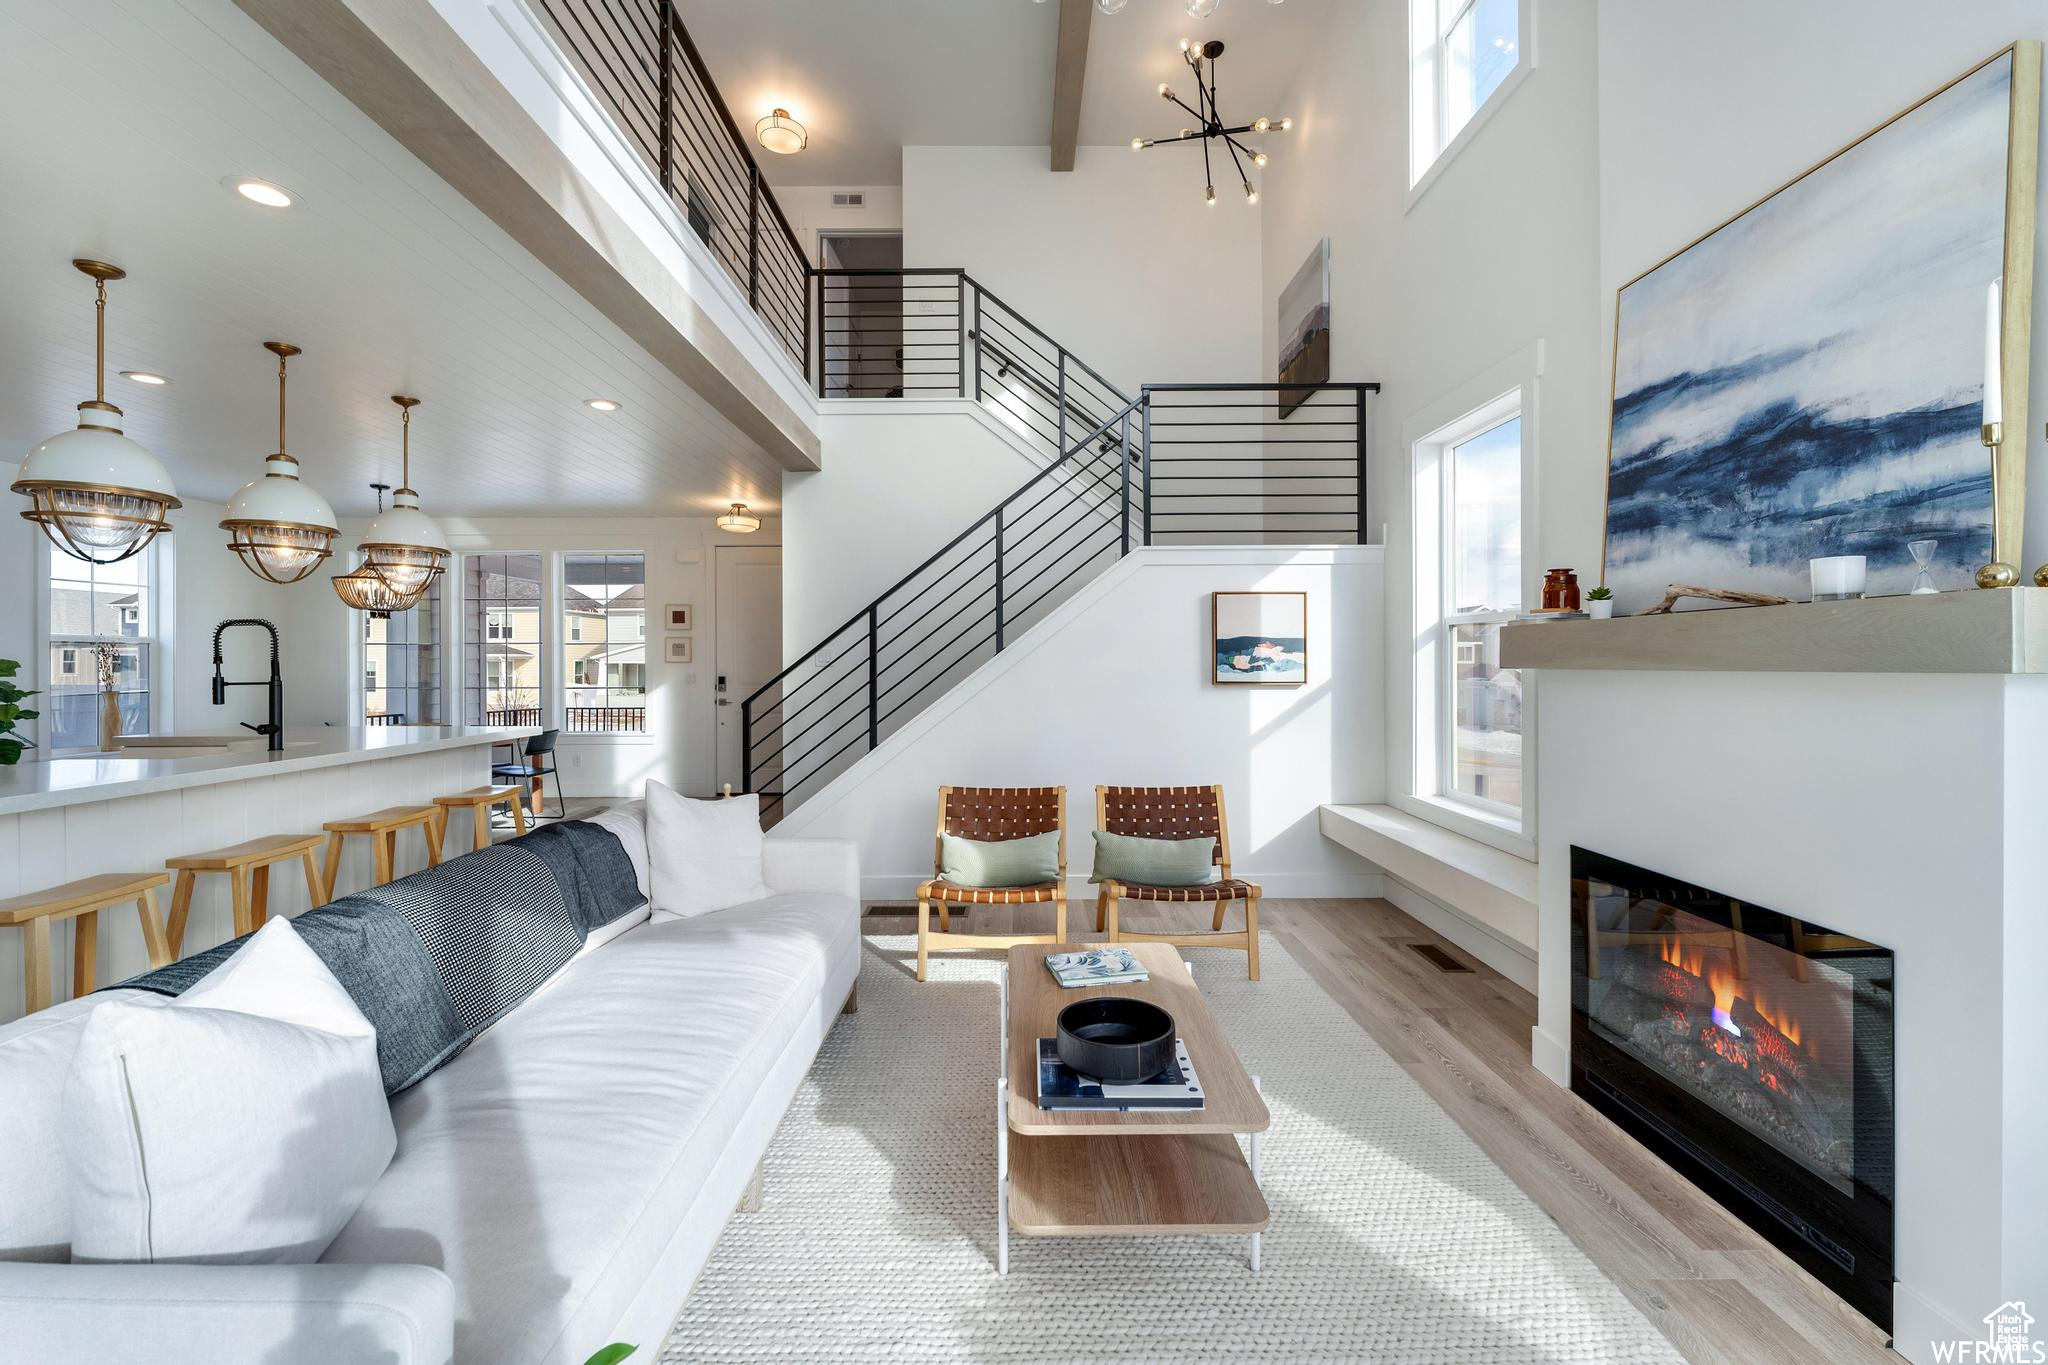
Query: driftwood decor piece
(1674, 591)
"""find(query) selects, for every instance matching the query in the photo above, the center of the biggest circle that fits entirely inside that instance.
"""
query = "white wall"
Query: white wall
(1495, 261)
(680, 747)
(1682, 147)
(1118, 259)
(1140, 633)
(810, 211)
(901, 479)
(208, 584)
(1880, 806)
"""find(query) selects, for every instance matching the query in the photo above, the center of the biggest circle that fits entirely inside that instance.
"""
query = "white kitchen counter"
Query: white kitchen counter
(67, 818)
(68, 781)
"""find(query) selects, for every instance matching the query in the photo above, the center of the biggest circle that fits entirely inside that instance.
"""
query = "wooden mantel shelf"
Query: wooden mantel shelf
(2003, 631)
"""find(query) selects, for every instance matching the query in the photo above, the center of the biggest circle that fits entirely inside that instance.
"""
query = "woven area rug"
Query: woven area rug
(1394, 1238)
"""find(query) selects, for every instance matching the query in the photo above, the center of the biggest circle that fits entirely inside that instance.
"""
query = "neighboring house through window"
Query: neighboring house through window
(604, 613)
(502, 603)
(95, 607)
(402, 663)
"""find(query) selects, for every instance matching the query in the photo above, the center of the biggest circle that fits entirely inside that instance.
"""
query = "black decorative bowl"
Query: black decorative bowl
(1115, 1039)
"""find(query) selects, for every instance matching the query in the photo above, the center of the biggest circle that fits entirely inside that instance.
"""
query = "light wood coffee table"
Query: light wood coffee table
(1105, 1173)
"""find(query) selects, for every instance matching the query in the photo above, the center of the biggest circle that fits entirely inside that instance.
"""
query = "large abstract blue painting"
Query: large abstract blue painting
(1809, 379)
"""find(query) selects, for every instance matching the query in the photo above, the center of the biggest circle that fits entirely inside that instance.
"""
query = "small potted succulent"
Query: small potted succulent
(1600, 602)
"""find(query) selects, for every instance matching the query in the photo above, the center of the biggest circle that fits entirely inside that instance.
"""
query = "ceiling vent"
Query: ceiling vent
(849, 199)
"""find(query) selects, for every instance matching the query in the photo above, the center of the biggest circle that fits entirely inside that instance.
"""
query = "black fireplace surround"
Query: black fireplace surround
(1751, 1051)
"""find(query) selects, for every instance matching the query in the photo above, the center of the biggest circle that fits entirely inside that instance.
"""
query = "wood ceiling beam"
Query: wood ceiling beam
(1069, 66)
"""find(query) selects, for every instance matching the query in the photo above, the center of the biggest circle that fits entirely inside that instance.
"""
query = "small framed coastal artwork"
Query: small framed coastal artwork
(678, 650)
(1258, 639)
(679, 616)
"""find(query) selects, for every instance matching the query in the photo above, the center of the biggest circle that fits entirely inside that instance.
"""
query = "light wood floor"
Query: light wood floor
(1718, 1291)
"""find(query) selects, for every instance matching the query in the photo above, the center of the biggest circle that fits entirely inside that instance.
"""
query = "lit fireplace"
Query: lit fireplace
(1750, 1049)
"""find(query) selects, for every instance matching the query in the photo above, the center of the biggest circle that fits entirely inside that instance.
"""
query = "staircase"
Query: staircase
(1176, 464)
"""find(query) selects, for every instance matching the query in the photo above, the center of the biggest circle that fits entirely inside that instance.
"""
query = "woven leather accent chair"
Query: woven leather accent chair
(1176, 813)
(991, 814)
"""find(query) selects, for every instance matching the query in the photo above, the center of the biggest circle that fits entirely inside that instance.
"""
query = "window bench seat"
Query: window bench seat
(1493, 891)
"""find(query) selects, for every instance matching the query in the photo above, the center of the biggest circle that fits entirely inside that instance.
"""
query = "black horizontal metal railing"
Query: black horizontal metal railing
(956, 610)
(941, 333)
(1148, 472)
(1266, 463)
(637, 57)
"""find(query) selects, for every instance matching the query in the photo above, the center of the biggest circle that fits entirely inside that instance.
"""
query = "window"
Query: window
(1470, 725)
(99, 637)
(604, 612)
(503, 609)
(1481, 703)
(402, 664)
(1462, 54)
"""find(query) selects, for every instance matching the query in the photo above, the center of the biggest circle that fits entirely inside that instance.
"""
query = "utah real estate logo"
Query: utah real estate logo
(2008, 1340)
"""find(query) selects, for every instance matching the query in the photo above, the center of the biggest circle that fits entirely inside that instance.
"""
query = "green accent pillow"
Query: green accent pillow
(1155, 862)
(994, 863)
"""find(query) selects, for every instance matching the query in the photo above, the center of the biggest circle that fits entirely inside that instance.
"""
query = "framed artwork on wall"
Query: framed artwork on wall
(1305, 328)
(1827, 372)
(677, 616)
(678, 651)
(1258, 639)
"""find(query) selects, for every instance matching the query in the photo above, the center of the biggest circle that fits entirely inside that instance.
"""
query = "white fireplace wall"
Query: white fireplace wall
(1899, 808)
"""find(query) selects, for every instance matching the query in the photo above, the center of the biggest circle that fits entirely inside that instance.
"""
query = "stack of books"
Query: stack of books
(1062, 1087)
(1095, 967)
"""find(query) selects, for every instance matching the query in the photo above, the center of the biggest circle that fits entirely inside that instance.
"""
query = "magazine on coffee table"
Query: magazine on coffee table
(1062, 1087)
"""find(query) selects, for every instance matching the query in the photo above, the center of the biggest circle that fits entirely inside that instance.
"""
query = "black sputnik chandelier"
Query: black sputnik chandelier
(1209, 126)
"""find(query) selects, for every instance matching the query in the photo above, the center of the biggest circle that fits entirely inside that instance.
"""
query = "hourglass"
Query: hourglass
(1923, 555)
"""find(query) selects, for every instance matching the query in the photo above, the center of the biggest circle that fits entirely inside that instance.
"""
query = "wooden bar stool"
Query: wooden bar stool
(248, 869)
(82, 901)
(383, 827)
(480, 800)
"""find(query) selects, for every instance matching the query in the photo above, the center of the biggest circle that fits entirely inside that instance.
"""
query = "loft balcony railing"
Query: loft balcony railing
(637, 57)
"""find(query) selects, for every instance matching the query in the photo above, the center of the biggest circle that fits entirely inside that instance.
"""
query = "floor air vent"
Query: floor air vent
(1438, 958)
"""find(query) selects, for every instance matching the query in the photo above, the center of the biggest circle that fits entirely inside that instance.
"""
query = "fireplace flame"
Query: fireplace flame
(1727, 986)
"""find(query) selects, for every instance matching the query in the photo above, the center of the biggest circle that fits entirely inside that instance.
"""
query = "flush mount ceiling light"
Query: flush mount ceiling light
(405, 545)
(280, 527)
(267, 193)
(1210, 126)
(144, 377)
(778, 132)
(364, 589)
(98, 496)
(739, 521)
(602, 404)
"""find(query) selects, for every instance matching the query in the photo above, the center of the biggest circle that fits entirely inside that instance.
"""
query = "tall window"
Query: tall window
(402, 664)
(1480, 705)
(502, 629)
(604, 649)
(1462, 52)
(100, 621)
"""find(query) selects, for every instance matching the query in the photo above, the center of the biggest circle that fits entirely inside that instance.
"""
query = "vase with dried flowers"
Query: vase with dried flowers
(108, 659)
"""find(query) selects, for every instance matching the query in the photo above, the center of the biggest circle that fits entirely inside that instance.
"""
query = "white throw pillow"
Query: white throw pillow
(706, 855)
(244, 1124)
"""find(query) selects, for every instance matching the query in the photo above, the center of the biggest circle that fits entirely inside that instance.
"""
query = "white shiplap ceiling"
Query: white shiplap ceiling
(123, 116)
(868, 79)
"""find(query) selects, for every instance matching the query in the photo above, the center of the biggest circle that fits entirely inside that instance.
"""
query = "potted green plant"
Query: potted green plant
(12, 742)
(1600, 602)
(612, 1354)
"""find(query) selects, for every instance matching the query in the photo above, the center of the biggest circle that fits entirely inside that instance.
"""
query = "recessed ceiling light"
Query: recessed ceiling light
(602, 404)
(144, 377)
(264, 192)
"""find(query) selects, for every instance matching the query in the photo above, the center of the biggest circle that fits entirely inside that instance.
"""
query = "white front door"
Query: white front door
(748, 648)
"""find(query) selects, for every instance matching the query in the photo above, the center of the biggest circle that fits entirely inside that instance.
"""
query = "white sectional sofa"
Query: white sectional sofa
(556, 1187)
